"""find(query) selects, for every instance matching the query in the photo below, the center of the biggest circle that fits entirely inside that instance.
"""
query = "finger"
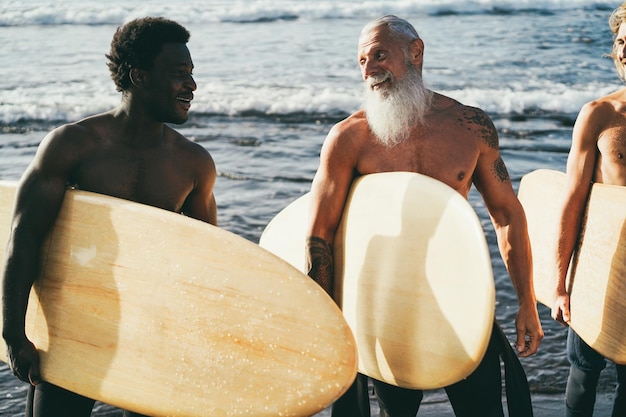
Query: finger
(525, 352)
(560, 320)
(560, 315)
(21, 374)
(566, 314)
(34, 376)
(532, 346)
(520, 343)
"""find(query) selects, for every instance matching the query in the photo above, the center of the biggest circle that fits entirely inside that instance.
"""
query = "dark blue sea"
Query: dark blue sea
(274, 75)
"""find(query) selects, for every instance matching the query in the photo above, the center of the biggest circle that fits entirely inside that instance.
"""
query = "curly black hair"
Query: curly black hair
(137, 43)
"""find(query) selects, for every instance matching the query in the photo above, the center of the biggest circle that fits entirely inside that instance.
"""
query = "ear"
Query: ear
(136, 77)
(416, 49)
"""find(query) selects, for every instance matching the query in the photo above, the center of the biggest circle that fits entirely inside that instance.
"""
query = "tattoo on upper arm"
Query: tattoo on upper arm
(500, 170)
(485, 126)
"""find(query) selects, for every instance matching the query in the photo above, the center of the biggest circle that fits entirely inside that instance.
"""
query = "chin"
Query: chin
(178, 120)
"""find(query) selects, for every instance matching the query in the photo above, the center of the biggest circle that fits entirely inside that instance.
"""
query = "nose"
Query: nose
(191, 83)
(368, 68)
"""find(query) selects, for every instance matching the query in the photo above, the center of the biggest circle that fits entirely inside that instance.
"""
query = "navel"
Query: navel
(461, 176)
(620, 155)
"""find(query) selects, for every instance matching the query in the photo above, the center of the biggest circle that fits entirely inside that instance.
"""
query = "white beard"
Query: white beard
(392, 114)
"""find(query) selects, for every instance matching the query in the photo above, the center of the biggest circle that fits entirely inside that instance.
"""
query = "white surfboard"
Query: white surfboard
(414, 277)
(165, 315)
(597, 277)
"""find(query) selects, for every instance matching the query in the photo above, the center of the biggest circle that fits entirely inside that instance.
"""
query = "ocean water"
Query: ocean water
(274, 75)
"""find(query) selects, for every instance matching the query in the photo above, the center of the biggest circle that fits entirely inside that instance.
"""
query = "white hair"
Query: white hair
(392, 114)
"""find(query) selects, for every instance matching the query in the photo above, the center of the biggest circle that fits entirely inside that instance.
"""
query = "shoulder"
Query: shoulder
(604, 106)
(73, 138)
(66, 146)
(352, 124)
(474, 116)
(462, 114)
(345, 140)
(600, 114)
(192, 152)
(468, 122)
(184, 143)
(349, 130)
(84, 131)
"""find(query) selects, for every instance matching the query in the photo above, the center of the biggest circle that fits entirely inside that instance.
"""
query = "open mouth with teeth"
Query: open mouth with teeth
(184, 101)
(379, 81)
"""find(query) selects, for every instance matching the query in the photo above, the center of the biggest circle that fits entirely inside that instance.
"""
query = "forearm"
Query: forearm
(565, 248)
(516, 252)
(319, 263)
(569, 228)
(22, 266)
(517, 256)
(18, 278)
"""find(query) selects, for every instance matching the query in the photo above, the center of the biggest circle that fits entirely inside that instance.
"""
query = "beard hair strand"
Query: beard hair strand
(392, 114)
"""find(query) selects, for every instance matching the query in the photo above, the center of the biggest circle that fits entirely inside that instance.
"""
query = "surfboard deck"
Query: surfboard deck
(596, 281)
(165, 315)
(414, 277)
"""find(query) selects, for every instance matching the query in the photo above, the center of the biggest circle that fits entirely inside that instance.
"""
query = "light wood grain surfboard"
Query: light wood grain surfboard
(597, 278)
(165, 315)
(414, 277)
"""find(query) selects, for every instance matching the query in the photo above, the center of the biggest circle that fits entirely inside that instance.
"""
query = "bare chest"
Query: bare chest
(450, 159)
(149, 176)
(611, 167)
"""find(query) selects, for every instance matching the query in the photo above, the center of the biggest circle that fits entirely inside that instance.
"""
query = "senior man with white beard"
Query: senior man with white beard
(404, 126)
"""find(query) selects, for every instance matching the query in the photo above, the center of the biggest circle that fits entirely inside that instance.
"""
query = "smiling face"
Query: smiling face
(169, 85)
(396, 99)
(383, 58)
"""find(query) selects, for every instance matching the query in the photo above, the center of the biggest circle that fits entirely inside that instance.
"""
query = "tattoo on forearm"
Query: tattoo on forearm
(319, 263)
(500, 170)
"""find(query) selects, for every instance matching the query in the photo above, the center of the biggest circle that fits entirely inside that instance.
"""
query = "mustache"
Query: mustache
(375, 79)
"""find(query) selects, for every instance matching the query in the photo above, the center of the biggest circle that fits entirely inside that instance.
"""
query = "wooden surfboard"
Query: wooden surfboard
(597, 277)
(414, 277)
(165, 315)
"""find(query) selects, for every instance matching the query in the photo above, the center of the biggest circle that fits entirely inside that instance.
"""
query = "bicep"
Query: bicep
(200, 203)
(581, 163)
(491, 177)
(493, 182)
(330, 188)
(582, 156)
(37, 204)
(42, 188)
(202, 206)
